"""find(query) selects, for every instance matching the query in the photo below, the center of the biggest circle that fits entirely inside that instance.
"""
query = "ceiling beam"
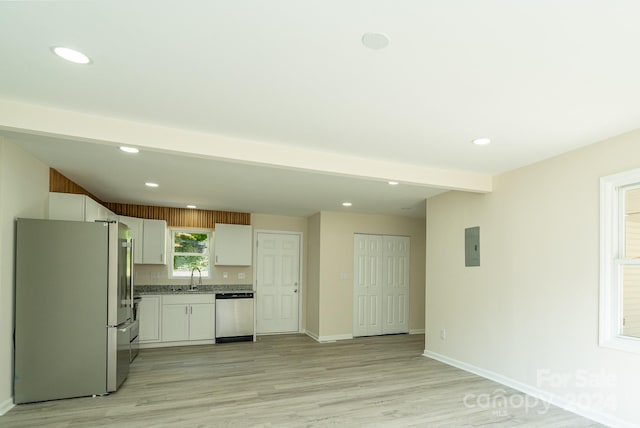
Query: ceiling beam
(54, 122)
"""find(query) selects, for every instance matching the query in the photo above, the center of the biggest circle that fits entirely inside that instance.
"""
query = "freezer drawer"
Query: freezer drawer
(118, 355)
(234, 317)
(134, 340)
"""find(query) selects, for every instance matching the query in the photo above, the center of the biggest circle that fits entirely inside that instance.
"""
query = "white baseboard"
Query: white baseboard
(328, 339)
(149, 345)
(533, 391)
(336, 337)
(6, 405)
(312, 335)
(416, 331)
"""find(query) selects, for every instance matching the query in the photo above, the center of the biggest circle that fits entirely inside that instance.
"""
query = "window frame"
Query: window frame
(612, 235)
(172, 232)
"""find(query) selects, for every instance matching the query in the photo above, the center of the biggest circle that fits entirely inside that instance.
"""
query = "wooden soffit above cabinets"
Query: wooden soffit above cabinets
(175, 217)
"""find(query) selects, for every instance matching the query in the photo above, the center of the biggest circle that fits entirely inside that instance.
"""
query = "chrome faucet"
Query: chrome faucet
(192, 286)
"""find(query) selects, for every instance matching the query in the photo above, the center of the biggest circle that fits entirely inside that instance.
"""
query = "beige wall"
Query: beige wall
(281, 223)
(24, 192)
(312, 294)
(336, 266)
(533, 303)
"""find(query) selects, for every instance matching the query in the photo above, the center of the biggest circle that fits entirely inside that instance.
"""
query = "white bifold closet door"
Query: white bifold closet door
(380, 285)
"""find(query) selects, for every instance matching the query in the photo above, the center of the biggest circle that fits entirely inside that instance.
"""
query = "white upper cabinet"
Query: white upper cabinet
(135, 226)
(66, 206)
(232, 244)
(94, 211)
(71, 206)
(154, 242)
(150, 236)
(149, 240)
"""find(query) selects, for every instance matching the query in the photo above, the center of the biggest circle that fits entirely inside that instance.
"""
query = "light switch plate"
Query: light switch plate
(472, 246)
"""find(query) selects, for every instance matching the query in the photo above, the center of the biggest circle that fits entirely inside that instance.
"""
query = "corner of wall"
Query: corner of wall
(24, 192)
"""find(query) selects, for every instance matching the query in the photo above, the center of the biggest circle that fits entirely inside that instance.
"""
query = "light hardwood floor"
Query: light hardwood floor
(292, 381)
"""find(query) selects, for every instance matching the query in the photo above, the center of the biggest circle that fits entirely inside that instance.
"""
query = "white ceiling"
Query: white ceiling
(265, 84)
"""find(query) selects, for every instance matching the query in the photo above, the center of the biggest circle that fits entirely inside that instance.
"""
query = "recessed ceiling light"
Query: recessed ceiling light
(375, 40)
(149, 184)
(71, 55)
(191, 206)
(129, 149)
(481, 141)
(346, 204)
(393, 183)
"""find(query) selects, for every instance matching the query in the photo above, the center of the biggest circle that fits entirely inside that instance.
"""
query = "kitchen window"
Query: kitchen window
(190, 252)
(620, 261)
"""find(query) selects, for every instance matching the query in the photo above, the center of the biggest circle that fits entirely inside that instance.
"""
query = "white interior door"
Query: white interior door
(380, 285)
(395, 289)
(367, 285)
(277, 282)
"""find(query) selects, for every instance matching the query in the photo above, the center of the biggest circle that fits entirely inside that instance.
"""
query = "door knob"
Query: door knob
(295, 291)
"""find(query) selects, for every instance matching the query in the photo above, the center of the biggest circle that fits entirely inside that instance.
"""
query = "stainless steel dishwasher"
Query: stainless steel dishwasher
(234, 317)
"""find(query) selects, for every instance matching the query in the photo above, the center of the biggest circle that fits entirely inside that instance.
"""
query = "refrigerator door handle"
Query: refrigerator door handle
(131, 250)
(124, 329)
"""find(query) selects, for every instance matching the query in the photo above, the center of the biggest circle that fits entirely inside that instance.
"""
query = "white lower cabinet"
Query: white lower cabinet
(149, 318)
(202, 320)
(188, 317)
(175, 322)
(177, 319)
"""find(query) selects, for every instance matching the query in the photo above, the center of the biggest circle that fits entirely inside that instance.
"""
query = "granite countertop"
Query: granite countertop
(141, 290)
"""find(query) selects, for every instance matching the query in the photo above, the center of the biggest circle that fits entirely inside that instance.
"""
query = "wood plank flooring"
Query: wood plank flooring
(292, 381)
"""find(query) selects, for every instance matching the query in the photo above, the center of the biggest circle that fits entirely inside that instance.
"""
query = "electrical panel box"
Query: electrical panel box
(472, 246)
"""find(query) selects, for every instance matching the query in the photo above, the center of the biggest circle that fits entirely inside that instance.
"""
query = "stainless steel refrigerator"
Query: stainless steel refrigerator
(73, 301)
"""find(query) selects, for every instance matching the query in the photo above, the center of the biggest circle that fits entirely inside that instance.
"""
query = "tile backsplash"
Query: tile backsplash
(159, 274)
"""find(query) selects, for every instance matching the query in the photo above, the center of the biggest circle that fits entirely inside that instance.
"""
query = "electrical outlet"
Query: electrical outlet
(225, 275)
(241, 275)
(443, 334)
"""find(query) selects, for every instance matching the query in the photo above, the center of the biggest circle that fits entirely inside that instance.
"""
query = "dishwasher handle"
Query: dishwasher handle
(234, 296)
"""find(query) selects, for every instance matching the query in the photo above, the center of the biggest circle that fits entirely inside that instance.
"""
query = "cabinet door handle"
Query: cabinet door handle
(191, 310)
(186, 310)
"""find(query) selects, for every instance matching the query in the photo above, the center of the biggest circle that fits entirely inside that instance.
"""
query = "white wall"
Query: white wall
(531, 308)
(24, 191)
